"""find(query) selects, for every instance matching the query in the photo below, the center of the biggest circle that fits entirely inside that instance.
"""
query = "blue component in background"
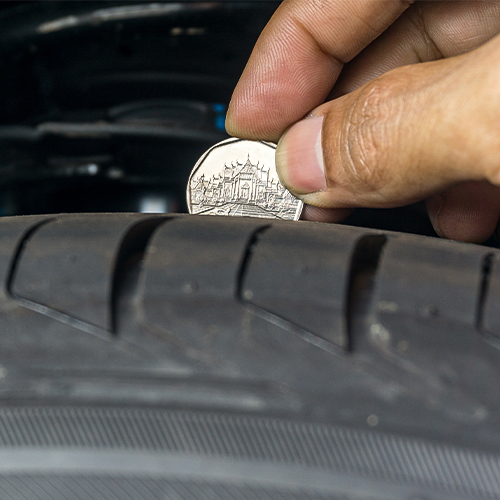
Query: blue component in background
(220, 117)
(220, 122)
(219, 108)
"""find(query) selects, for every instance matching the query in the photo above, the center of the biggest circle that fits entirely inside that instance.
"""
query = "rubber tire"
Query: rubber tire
(184, 357)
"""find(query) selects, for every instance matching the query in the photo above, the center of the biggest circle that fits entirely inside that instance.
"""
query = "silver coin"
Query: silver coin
(237, 177)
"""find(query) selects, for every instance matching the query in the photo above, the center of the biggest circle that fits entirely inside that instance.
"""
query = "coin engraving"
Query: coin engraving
(238, 178)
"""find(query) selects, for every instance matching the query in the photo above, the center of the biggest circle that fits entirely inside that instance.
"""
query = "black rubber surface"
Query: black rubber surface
(184, 357)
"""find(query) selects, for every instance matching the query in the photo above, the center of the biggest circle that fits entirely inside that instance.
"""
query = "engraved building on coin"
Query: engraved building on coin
(240, 188)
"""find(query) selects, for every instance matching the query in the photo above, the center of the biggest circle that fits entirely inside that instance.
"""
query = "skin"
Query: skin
(408, 97)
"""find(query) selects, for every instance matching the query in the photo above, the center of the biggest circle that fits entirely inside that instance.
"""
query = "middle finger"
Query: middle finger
(425, 32)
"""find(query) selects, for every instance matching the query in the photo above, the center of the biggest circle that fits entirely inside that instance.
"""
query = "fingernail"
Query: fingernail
(299, 157)
(436, 224)
(434, 207)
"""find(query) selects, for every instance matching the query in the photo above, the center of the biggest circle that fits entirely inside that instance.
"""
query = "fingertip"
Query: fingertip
(332, 215)
(251, 120)
(235, 121)
(468, 212)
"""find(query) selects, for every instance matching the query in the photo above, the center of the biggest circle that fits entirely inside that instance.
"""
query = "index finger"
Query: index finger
(298, 58)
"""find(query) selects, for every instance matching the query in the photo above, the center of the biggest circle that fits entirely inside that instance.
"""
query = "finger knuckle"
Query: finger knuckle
(369, 134)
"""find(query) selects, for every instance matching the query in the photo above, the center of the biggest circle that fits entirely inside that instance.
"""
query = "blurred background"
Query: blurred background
(106, 106)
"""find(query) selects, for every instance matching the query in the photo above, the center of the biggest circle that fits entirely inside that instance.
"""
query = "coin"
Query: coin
(238, 178)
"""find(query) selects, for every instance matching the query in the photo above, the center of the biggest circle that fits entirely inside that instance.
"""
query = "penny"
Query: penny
(238, 178)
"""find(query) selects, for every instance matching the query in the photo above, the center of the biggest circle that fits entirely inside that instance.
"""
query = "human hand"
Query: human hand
(412, 111)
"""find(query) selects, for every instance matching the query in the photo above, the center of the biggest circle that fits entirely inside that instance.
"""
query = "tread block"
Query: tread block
(429, 280)
(190, 276)
(301, 273)
(187, 295)
(68, 265)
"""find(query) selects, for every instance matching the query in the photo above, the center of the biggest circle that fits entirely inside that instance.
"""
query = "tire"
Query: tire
(184, 357)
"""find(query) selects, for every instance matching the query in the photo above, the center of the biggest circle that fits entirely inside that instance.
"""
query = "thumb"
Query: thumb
(402, 137)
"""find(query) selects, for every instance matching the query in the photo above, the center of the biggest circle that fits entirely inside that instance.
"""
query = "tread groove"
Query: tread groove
(363, 268)
(18, 253)
(129, 256)
(487, 266)
(245, 262)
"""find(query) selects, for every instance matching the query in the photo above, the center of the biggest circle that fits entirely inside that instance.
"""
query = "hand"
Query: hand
(412, 111)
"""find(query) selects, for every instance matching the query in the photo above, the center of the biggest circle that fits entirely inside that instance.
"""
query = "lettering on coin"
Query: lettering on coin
(239, 178)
